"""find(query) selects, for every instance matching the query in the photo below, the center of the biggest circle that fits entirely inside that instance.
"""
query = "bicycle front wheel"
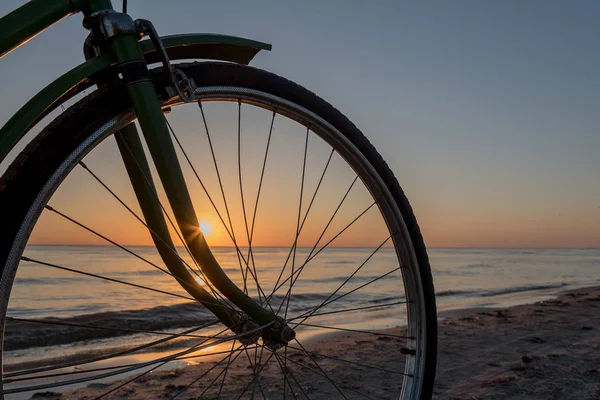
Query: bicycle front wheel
(301, 211)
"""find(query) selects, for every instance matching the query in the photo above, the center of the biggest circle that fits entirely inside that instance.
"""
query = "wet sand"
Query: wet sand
(546, 350)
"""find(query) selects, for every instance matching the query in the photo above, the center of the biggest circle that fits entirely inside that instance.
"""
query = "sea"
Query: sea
(464, 279)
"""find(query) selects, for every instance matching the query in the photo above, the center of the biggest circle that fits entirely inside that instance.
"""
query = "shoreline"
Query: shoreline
(546, 349)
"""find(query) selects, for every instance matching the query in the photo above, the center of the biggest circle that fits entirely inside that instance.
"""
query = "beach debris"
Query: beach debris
(500, 379)
(586, 328)
(555, 355)
(535, 339)
(518, 367)
(578, 294)
(407, 351)
(529, 359)
(171, 375)
(126, 390)
(171, 386)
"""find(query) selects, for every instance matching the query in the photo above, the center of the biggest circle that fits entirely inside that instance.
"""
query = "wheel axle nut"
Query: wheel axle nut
(287, 334)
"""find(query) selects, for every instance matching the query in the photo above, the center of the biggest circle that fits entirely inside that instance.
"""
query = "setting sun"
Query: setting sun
(206, 228)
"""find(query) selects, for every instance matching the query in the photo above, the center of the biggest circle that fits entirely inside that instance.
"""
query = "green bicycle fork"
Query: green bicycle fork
(132, 153)
(126, 49)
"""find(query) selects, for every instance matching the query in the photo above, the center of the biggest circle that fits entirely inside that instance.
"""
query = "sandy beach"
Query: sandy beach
(546, 350)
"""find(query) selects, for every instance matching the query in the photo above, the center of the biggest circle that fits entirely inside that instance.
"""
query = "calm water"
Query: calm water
(463, 278)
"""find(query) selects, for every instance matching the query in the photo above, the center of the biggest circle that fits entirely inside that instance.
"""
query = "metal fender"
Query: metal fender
(184, 46)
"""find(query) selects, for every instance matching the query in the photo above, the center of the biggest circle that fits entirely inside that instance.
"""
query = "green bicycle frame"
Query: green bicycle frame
(128, 54)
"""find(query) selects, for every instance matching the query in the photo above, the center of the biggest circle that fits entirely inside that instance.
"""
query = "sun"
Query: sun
(206, 228)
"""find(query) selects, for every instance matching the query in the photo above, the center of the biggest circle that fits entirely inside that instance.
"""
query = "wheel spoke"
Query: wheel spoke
(355, 331)
(239, 162)
(194, 348)
(346, 310)
(214, 158)
(351, 276)
(228, 357)
(317, 372)
(317, 189)
(358, 288)
(96, 233)
(198, 271)
(304, 219)
(179, 280)
(108, 328)
(252, 225)
(288, 369)
(83, 371)
(253, 365)
(310, 258)
(275, 287)
(348, 361)
(320, 369)
(231, 233)
(117, 372)
(229, 229)
(284, 372)
(226, 369)
(256, 376)
(307, 212)
(260, 358)
(295, 245)
(135, 378)
(106, 278)
(214, 206)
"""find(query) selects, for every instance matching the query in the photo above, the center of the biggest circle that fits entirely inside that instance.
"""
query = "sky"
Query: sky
(487, 112)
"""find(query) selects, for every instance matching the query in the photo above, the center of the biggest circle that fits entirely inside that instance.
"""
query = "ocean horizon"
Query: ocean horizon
(463, 277)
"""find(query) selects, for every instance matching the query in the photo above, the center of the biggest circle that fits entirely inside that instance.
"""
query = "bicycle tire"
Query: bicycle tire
(33, 167)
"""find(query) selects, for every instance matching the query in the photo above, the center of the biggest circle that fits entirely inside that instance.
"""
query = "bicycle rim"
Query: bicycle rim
(397, 241)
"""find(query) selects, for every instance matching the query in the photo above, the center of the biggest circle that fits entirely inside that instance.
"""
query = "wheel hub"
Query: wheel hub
(278, 335)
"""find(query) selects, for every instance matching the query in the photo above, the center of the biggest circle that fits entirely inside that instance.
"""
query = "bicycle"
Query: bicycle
(252, 306)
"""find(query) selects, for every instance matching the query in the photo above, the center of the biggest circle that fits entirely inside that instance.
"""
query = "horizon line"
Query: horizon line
(336, 247)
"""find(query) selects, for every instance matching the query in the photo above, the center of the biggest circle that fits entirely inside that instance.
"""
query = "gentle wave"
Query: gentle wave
(389, 299)
(47, 281)
(498, 292)
(58, 331)
(519, 289)
(150, 272)
(355, 279)
(477, 266)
